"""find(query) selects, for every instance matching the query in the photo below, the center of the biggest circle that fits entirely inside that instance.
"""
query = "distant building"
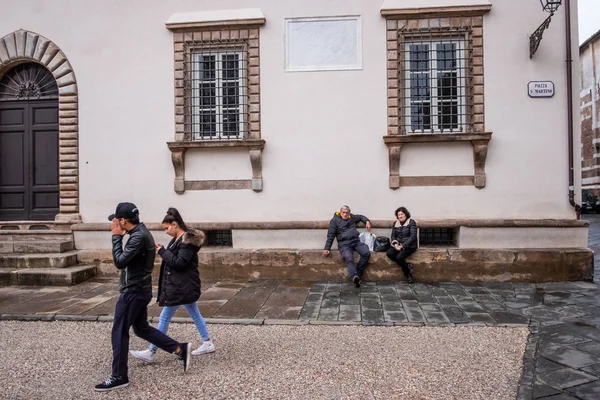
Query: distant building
(589, 57)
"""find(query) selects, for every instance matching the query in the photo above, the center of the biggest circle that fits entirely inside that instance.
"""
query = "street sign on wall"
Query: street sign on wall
(540, 88)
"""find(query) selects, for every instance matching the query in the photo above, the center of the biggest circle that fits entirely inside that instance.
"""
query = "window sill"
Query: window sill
(478, 141)
(178, 150)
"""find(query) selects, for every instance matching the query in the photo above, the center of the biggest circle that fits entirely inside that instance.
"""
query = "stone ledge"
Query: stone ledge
(324, 224)
(431, 265)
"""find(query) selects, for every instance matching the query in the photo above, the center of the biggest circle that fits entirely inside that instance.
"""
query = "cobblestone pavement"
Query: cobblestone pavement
(561, 361)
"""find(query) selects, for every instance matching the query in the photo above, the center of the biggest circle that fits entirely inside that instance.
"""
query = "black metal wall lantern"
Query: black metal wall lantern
(534, 40)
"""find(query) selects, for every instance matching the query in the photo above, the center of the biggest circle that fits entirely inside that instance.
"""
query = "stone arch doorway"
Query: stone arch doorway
(35, 57)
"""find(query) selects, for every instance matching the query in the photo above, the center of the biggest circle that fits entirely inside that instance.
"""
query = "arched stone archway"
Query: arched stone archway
(24, 46)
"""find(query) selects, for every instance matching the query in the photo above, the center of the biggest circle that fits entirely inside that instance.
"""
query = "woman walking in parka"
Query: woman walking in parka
(403, 241)
(179, 281)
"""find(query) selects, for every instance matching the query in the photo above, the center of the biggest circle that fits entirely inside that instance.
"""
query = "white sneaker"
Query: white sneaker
(146, 355)
(207, 347)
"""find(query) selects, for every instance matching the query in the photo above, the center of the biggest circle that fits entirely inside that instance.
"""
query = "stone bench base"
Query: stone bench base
(431, 265)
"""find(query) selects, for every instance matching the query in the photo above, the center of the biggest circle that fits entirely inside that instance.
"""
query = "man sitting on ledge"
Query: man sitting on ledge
(343, 228)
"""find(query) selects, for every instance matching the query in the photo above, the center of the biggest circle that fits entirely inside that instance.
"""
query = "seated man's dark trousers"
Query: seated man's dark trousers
(347, 253)
(132, 310)
(399, 257)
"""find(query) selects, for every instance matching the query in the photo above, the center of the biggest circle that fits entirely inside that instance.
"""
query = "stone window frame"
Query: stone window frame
(188, 36)
(26, 46)
(401, 25)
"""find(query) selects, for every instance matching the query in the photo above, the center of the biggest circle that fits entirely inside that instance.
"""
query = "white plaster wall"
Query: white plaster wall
(522, 238)
(323, 129)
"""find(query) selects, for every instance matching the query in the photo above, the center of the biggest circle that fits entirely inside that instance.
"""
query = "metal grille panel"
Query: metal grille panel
(216, 90)
(219, 237)
(28, 81)
(435, 82)
(437, 237)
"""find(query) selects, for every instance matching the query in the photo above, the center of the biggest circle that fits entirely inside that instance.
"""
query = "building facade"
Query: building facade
(258, 120)
(589, 58)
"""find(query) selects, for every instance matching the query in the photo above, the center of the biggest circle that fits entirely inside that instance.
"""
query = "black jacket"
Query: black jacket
(344, 230)
(179, 280)
(136, 261)
(405, 234)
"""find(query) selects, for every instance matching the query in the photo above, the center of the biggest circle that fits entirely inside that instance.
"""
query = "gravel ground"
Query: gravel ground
(64, 360)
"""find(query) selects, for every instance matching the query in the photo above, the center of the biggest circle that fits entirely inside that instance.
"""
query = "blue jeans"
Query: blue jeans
(192, 309)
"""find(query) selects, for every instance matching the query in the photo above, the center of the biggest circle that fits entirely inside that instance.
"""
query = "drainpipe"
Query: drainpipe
(569, 62)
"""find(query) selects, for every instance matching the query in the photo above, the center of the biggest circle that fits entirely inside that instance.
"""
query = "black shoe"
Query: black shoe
(185, 355)
(410, 279)
(114, 382)
(356, 281)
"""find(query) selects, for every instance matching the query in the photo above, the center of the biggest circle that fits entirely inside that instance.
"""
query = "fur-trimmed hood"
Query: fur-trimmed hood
(194, 237)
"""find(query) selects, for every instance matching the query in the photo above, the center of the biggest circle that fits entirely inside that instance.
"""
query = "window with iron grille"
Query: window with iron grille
(435, 84)
(437, 237)
(217, 96)
(219, 237)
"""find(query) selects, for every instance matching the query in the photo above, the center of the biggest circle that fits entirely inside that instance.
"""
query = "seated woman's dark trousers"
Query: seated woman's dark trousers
(399, 257)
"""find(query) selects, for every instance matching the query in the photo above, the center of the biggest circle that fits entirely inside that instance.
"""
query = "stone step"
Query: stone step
(34, 235)
(431, 264)
(48, 260)
(33, 246)
(47, 276)
(35, 225)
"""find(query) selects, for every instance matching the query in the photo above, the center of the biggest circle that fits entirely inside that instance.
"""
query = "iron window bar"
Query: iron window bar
(436, 82)
(216, 90)
(437, 237)
(219, 237)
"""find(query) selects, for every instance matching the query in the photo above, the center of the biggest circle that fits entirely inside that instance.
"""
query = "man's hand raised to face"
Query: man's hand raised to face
(116, 228)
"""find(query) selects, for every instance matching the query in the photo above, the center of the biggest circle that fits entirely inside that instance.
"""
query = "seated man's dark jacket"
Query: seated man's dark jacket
(136, 261)
(344, 230)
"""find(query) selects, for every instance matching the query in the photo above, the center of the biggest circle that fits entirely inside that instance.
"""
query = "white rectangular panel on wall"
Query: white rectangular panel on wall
(325, 43)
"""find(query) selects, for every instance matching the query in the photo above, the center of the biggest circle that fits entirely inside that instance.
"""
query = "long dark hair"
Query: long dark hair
(404, 210)
(174, 216)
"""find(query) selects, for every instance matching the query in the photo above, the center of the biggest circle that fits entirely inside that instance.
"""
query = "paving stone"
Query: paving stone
(590, 347)
(589, 391)
(389, 306)
(370, 304)
(470, 306)
(565, 377)
(561, 338)
(446, 301)
(480, 317)
(310, 311)
(372, 316)
(510, 318)
(568, 356)
(395, 316)
(349, 313)
(542, 390)
(545, 365)
(592, 369)
(314, 297)
(329, 314)
(456, 315)
(436, 317)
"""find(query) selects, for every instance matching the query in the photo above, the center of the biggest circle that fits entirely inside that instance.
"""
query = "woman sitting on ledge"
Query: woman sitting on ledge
(404, 241)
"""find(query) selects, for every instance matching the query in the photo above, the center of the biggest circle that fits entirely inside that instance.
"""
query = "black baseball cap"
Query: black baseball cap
(125, 210)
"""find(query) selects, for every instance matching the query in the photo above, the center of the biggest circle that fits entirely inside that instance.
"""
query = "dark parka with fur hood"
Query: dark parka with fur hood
(179, 280)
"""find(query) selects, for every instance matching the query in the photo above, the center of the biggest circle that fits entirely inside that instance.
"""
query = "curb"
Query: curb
(249, 321)
(525, 391)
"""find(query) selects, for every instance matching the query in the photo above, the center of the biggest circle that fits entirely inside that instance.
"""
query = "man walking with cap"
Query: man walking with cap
(136, 262)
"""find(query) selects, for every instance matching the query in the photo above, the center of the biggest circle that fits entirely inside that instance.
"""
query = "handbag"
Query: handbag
(382, 244)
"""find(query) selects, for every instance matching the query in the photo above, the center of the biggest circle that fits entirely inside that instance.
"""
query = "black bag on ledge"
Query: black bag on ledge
(382, 244)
